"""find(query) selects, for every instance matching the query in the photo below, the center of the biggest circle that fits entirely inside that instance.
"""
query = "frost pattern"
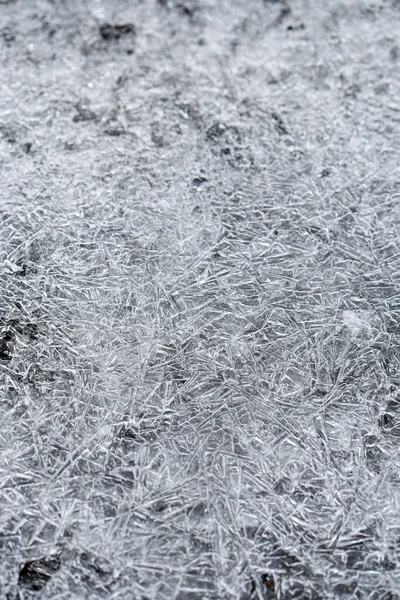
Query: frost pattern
(199, 300)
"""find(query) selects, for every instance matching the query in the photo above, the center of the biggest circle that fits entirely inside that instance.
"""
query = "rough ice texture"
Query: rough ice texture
(200, 299)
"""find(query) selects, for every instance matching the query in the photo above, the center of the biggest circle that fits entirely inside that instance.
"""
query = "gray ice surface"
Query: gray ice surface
(199, 299)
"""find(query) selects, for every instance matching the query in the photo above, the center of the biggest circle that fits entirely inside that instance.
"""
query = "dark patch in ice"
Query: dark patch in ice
(36, 573)
(27, 147)
(83, 113)
(10, 330)
(114, 131)
(115, 32)
(8, 36)
(5, 346)
(279, 124)
(8, 133)
(198, 181)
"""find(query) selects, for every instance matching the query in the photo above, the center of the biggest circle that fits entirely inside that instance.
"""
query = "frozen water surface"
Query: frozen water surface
(199, 300)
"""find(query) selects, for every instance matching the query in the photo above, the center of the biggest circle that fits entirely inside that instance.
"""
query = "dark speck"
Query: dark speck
(298, 27)
(186, 9)
(285, 12)
(114, 132)
(160, 506)
(8, 134)
(35, 573)
(128, 434)
(279, 124)
(198, 181)
(23, 270)
(325, 173)
(5, 346)
(83, 114)
(268, 582)
(215, 131)
(7, 337)
(8, 36)
(385, 421)
(115, 32)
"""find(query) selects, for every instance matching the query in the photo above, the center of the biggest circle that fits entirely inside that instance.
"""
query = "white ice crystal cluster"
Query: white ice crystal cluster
(199, 300)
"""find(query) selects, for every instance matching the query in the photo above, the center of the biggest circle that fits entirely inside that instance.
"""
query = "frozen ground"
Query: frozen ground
(200, 300)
